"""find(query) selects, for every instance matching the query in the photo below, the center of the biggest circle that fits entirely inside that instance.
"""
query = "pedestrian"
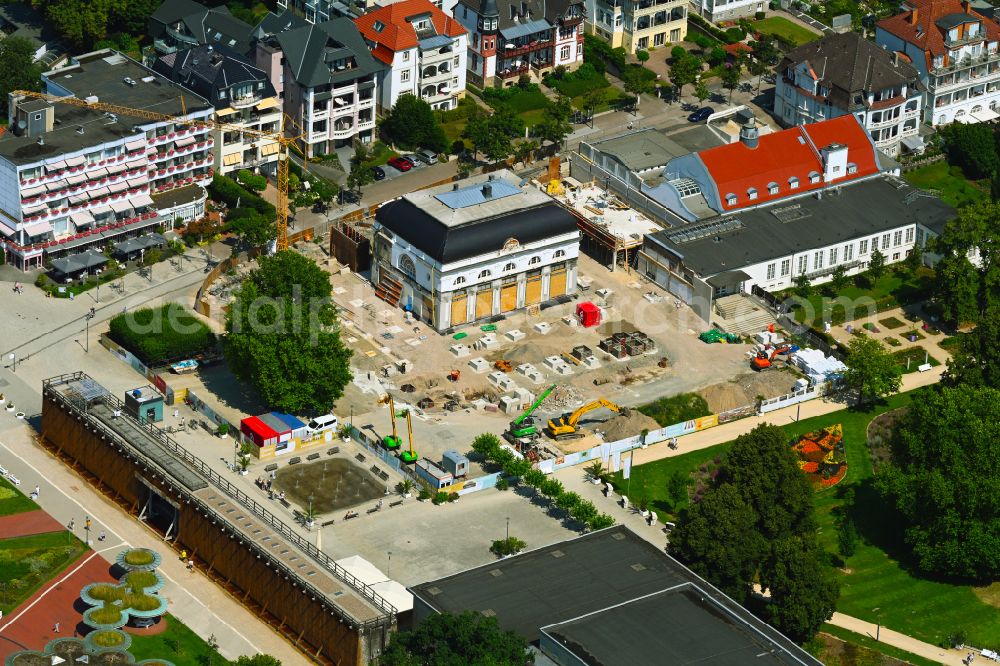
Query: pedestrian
(190, 565)
(72, 524)
(71, 296)
(37, 491)
(55, 628)
(177, 413)
(184, 554)
(102, 536)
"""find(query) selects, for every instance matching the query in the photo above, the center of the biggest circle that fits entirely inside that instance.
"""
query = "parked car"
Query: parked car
(412, 159)
(400, 164)
(701, 114)
(427, 156)
(378, 173)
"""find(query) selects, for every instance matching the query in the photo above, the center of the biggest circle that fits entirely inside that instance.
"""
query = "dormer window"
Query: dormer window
(752, 193)
(852, 168)
(484, 274)
(731, 199)
(379, 26)
(510, 266)
(772, 188)
(459, 280)
(813, 177)
(793, 183)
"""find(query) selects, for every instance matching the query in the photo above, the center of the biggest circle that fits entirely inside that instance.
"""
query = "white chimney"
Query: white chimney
(834, 162)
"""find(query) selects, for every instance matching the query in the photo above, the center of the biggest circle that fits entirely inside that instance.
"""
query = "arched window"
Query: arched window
(534, 260)
(484, 274)
(559, 253)
(406, 266)
(459, 280)
(510, 266)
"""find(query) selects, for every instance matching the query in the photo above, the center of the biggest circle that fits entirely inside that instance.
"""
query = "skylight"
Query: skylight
(379, 26)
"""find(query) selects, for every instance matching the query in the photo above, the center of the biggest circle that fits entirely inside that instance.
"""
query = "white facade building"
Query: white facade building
(955, 49)
(638, 25)
(846, 73)
(730, 10)
(457, 254)
(424, 52)
(93, 178)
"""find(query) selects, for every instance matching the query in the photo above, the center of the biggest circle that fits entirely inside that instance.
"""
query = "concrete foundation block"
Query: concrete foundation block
(479, 364)
(488, 341)
(509, 404)
(515, 335)
(460, 350)
(543, 327)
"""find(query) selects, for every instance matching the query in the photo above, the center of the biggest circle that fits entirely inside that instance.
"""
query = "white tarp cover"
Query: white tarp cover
(395, 594)
(362, 569)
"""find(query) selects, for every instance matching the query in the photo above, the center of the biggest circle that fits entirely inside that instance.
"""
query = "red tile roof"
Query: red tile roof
(398, 33)
(927, 12)
(735, 168)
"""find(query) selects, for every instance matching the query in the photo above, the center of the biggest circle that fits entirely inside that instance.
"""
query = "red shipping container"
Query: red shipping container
(588, 314)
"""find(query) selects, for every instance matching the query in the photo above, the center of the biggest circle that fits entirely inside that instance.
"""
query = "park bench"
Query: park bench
(295, 460)
(312, 456)
(335, 450)
(271, 467)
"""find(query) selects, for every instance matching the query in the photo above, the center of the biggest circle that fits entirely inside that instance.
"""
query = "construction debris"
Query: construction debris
(563, 397)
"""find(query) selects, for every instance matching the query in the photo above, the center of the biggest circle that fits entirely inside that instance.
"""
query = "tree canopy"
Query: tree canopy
(976, 362)
(872, 372)
(469, 639)
(973, 232)
(411, 124)
(257, 660)
(761, 495)
(555, 126)
(684, 70)
(973, 148)
(493, 134)
(17, 68)
(282, 336)
(253, 228)
(84, 22)
(943, 480)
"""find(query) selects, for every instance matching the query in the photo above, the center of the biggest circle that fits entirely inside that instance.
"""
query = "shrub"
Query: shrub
(230, 192)
(251, 181)
(161, 334)
(676, 409)
(108, 638)
(760, 16)
(508, 546)
(440, 497)
(502, 484)
(139, 557)
(700, 39)
(424, 494)
(734, 35)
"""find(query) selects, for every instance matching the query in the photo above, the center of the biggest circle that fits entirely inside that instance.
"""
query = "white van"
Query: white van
(322, 424)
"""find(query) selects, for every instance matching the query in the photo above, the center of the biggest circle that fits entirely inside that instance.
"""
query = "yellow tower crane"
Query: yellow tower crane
(281, 139)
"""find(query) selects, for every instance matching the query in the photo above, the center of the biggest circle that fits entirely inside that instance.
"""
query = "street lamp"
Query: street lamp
(13, 357)
(87, 317)
(388, 571)
(878, 622)
(508, 528)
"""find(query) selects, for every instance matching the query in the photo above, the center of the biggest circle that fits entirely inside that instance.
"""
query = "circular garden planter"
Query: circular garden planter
(20, 415)
(105, 639)
(139, 559)
(148, 582)
(10, 407)
(101, 618)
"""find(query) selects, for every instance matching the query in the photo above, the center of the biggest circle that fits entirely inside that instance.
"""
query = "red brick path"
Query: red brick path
(27, 523)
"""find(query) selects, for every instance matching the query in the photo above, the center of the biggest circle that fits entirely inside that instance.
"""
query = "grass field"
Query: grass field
(859, 650)
(576, 84)
(897, 287)
(916, 356)
(26, 563)
(948, 181)
(12, 500)
(777, 26)
(177, 644)
(878, 582)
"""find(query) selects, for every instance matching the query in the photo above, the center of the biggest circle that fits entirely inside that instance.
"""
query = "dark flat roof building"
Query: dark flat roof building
(609, 598)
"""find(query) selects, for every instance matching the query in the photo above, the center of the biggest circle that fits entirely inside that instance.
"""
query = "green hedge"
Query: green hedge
(158, 335)
(230, 192)
(574, 84)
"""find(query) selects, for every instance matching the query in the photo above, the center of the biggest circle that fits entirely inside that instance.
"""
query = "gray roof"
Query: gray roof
(859, 210)
(309, 50)
(597, 572)
(79, 262)
(20, 20)
(524, 28)
(273, 23)
(207, 69)
(131, 245)
(848, 64)
(679, 625)
(645, 149)
(215, 25)
(550, 10)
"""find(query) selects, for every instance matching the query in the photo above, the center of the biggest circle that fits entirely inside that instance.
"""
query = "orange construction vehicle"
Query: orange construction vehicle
(764, 360)
(503, 365)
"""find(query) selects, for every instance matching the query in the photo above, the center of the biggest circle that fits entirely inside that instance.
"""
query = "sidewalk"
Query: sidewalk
(194, 599)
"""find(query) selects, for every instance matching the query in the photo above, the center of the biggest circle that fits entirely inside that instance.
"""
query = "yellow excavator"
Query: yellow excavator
(566, 426)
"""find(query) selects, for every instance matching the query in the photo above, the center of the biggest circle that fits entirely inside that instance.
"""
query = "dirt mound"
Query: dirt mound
(744, 389)
(620, 427)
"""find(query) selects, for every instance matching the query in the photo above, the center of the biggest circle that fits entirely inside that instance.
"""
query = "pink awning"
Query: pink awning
(79, 198)
(38, 228)
(31, 210)
(142, 200)
(184, 141)
(76, 178)
(100, 210)
(99, 192)
(32, 191)
(135, 164)
(116, 168)
(138, 181)
(120, 186)
(75, 161)
(135, 145)
(82, 218)
(56, 166)
(97, 173)
(121, 206)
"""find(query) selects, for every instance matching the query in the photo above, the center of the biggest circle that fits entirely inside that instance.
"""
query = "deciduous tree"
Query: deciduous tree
(731, 78)
(872, 372)
(17, 68)
(976, 362)
(555, 126)
(684, 70)
(253, 229)
(876, 265)
(803, 592)
(942, 478)
(469, 639)
(412, 124)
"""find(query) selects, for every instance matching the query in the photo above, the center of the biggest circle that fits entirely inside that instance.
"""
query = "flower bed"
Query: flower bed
(138, 559)
(822, 457)
(108, 638)
(133, 599)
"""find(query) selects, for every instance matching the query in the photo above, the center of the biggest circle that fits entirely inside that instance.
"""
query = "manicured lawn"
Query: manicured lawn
(523, 100)
(895, 288)
(878, 575)
(177, 644)
(892, 322)
(579, 83)
(948, 181)
(26, 563)
(650, 480)
(12, 500)
(777, 26)
(861, 651)
(380, 154)
(916, 356)
(609, 96)
(155, 336)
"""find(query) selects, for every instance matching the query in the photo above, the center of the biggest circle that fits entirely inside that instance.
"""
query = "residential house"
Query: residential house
(509, 39)
(637, 25)
(243, 98)
(954, 48)
(179, 24)
(846, 73)
(326, 77)
(73, 178)
(729, 10)
(423, 49)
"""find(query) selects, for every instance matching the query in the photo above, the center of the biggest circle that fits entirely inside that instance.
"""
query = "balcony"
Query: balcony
(343, 130)
(967, 62)
(513, 72)
(245, 101)
(520, 48)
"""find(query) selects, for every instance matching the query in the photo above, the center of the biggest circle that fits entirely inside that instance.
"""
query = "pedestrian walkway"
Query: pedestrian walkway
(194, 599)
